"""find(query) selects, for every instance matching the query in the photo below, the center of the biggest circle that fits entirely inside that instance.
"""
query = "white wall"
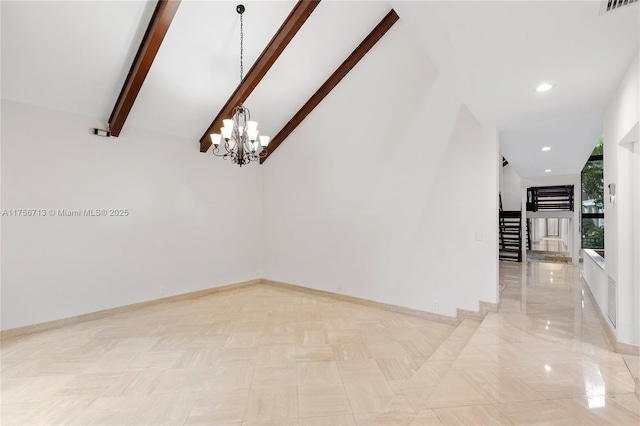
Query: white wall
(175, 237)
(538, 230)
(621, 216)
(511, 189)
(565, 231)
(381, 192)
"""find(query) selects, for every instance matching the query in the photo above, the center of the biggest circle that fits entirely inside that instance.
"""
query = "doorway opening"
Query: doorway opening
(550, 239)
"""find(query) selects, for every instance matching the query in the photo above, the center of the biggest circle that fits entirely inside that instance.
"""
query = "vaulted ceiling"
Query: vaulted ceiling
(75, 56)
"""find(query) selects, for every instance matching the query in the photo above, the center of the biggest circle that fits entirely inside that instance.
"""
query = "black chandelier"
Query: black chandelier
(242, 141)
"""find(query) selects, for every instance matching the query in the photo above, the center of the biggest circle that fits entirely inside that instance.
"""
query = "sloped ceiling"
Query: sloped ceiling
(54, 55)
(70, 55)
(74, 56)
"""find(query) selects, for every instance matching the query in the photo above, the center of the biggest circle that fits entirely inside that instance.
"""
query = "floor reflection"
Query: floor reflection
(561, 332)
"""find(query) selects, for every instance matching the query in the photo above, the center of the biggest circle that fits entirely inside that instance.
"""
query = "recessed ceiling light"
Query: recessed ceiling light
(543, 87)
(546, 148)
(548, 171)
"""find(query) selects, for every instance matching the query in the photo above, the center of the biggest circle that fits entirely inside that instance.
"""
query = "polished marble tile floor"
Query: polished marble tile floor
(550, 244)
(270, 356)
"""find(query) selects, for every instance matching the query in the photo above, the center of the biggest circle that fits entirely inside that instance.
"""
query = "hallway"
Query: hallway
(550, 240)
(547, 335)
(269, 355)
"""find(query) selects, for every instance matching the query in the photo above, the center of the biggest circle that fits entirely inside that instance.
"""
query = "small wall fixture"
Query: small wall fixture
(548, 171)
(612, 193)
(545, 148)
(102, 132)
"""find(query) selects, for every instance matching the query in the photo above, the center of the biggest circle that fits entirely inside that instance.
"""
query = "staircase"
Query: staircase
(509, 224)
(510, 236)
(550, 198)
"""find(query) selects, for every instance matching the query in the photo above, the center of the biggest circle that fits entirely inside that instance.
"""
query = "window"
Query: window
(593, 200)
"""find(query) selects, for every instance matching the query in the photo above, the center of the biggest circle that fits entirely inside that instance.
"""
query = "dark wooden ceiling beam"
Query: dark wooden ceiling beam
(355, 57)
(298, 16)
(157, 29)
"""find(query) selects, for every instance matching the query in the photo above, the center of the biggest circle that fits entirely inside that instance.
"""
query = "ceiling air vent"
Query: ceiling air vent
(608, 6)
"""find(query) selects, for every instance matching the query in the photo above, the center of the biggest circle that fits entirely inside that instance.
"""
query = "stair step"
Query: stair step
(431, 373)
(633, 364)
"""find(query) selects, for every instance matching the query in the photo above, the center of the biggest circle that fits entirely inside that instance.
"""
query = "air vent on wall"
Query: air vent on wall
(608, 6)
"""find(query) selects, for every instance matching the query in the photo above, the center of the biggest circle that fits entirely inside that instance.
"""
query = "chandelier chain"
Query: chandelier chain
(241, 51)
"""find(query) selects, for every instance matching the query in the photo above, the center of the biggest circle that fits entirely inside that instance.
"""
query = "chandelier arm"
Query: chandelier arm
(215, 152)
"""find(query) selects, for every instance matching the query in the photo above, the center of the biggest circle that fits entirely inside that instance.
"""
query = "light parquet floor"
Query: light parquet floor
(265, 355)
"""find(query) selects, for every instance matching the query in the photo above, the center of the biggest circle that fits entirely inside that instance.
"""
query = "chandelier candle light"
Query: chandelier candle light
(239, 133)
